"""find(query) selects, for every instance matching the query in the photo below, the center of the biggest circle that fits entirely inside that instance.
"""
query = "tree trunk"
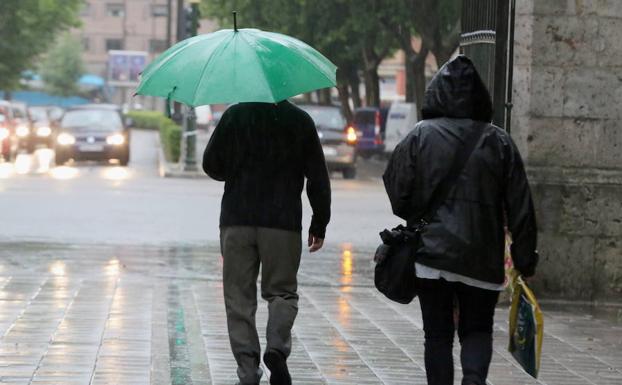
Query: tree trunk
(355, 88)
(443, 54)
(344, 98)
(372, 80)
(372, 87)
(324, 96)
(419, 79)
(409, 72)
(344, 92)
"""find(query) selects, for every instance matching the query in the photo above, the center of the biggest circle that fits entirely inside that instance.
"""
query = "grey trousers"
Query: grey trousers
(244, 249)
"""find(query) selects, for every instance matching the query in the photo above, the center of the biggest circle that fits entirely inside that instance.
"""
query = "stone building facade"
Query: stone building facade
(567, 122)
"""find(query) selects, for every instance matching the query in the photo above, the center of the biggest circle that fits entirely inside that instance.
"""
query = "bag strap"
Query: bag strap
(463, 154)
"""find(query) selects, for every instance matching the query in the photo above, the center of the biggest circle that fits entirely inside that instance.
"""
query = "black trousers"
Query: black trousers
(476, 311)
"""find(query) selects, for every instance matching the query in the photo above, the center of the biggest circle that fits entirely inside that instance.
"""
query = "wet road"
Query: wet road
(150, 315)
(89, 202)
(112, 275)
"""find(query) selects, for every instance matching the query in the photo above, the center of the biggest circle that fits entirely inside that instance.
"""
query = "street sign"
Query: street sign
(124, 67)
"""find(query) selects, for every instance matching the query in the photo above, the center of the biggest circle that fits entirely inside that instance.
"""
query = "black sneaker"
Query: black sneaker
(279, 374)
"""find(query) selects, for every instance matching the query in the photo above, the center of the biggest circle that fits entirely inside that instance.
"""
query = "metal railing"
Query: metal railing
(487, 38)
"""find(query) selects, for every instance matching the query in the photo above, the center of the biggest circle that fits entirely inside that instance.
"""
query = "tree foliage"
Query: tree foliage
(357, 34)
(63, 66)
(27, 29)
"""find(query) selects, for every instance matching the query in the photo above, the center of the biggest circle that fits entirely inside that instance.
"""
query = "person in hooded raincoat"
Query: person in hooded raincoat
(462, 252)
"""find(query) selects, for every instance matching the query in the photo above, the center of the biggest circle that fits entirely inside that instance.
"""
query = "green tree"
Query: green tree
(345, 31)
(63, 66)
(28, 28)
(436, 22)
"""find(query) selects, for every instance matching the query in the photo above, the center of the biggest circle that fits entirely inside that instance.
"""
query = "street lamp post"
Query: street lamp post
(190, 119)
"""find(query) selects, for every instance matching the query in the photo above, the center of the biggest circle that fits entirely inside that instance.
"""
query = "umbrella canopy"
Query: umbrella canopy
(227, 66)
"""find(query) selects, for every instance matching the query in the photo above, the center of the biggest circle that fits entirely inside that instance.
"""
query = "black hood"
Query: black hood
(457, 91)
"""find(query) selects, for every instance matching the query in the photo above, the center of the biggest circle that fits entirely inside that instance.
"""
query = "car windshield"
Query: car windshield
(18, 113)
(38, 114)
(85, 120)
(326, 117)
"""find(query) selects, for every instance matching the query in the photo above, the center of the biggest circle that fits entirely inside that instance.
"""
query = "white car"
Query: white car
(401, 120)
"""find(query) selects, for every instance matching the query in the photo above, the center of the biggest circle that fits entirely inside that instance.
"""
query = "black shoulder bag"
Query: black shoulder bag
(395, 274)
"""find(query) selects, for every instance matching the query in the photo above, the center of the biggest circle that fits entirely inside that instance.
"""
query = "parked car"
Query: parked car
(93, 132)
(22, 126)
(400, 121)
(370, 123)
(337, 139)
(5, 137)
(204, 116)
(41, 133)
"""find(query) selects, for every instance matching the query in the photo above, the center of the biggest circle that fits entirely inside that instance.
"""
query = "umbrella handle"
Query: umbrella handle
(168, 103)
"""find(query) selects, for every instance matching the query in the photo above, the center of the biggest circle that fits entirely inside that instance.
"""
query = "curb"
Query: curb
(167, 169)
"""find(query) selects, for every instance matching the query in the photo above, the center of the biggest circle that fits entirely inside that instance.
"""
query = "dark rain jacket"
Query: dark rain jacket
(466, 235)
(263, 152)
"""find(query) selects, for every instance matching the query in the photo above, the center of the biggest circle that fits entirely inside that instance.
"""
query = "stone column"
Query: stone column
(567, 122)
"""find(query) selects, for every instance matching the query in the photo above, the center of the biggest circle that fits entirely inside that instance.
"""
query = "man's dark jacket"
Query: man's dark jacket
(263, 152)
(466, 236)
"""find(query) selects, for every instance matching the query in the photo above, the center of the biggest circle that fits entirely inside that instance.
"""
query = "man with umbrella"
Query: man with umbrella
(263, 148)
(263, 152)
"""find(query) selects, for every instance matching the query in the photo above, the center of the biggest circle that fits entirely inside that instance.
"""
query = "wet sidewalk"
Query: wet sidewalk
(131, 315)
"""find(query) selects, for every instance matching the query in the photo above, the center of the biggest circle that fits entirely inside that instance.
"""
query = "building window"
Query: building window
(86, 9)
(115, 10)
(157, 45)
(114, 44)
(86, 44)
(159, 10)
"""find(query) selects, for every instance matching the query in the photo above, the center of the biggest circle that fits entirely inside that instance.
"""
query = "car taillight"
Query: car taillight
(351, 135)
(377, 134)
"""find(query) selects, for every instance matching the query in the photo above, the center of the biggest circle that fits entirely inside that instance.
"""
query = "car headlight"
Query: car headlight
(116, 139)
(65, 139)
(4, 133)
(22, 131)
(44, 131)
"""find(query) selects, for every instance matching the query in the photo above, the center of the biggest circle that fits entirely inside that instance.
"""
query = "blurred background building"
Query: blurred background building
(148, 26)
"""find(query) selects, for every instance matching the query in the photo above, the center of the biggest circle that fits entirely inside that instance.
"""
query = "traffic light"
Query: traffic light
(191, 20)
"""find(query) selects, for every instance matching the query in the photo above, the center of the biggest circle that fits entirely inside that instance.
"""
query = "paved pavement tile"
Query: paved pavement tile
(130, 315)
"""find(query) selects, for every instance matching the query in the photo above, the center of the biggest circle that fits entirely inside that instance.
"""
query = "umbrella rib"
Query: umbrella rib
(261, 65)
(222, 46)
(285, 37)
(161, 65)
(301, 53)
(167, 60)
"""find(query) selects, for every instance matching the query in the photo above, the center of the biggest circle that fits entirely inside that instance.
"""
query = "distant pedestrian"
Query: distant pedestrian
(263, 152)
(462, 252)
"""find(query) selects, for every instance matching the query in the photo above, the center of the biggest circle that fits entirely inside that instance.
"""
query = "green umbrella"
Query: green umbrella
(227, 66)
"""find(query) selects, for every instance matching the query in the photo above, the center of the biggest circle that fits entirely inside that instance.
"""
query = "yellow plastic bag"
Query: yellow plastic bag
(526, 326)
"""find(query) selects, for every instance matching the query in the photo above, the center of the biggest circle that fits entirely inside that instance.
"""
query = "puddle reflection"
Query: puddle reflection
(346, 264)
(6, 170)
(58, 268)
(112, 268)
(64, 172)
(44, 158)
(23, 164)
(116, 173)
